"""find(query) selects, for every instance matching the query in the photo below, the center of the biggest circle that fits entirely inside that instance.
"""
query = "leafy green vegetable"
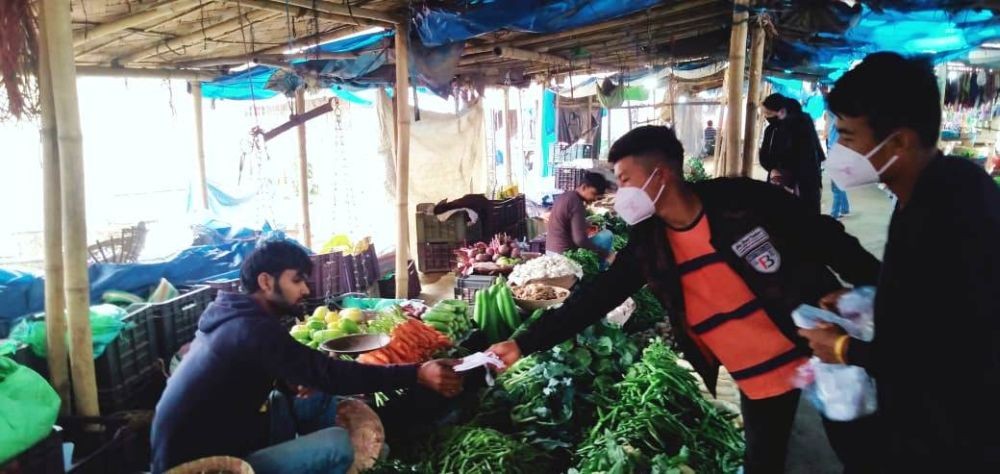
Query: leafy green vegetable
(656, 420)
(587, 259)
(472, 450)
(648, 311)
(618, 242)
(696, 171)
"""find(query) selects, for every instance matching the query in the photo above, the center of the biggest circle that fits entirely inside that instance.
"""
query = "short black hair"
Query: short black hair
(892, 92)
(596, 181)
(273, 258)
(775, 102)
(654, 141)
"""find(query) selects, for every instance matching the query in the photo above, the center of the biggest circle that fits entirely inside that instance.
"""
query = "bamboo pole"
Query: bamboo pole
(59, 34)
(90, 46)
(737, 62)
(299, 11)
(199, 139)
(153, 13)
(403, 118)
(216, 31)
(55, 297)
(507, 52)
(128, 72)
(508, 158)
(351, 14)
(759, 37)
(300, 108)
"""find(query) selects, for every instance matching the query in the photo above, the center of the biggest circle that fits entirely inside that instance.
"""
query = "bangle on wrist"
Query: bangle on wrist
(840, 348)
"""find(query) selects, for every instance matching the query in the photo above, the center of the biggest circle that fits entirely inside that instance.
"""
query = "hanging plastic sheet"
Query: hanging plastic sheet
(439, 26)
(246, 85)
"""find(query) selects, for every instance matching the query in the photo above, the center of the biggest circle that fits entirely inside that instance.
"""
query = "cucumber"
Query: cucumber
(120, 298)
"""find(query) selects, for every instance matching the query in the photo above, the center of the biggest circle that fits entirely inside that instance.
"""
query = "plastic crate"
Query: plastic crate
(568, 179)
(517, 230)
(128, 373)
(177, 319)
(436, 257)
(387, 286)
(537, 245)
(110, 444)
(454, 229)
(45, 457)
(7, 325)
(326, 274)
(232, 286)
(467, 286)
(577, 151)
(503, 214)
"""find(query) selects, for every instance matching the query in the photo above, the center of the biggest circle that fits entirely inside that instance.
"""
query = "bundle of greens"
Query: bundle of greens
(473, 450)
(610, 222)
(657, 409)
(587, 259)
(648, 311)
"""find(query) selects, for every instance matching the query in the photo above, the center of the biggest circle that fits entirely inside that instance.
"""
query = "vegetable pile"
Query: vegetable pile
(546, 266)
(471, 450)
(658, 410)
(481, 258)
(588, 261)
(449, 317)
(495, 312)
(324, 325)
(411, 342)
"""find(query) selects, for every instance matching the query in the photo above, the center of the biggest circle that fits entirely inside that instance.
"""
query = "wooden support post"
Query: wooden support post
(55, 297)
(508, 158)
(737, 62)
(403, 118)
(300, 108)
(59, 32)
(199, 134)
(757, 42)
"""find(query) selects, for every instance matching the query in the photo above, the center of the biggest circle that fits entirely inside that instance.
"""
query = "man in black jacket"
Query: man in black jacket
(729, 259)
(217, 402)
(791, 151)
(936, 353)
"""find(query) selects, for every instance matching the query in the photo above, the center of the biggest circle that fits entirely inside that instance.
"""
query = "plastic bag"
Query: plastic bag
(105, 325)
(28, 408)
(163, 292)
(841, 392)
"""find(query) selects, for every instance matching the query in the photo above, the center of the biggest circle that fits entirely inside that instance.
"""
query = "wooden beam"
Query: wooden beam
(757, 43)
(508, 158)
(313, 40)
(298, 119)
(737, 62)
(90, 46)
(199, 140)
(261, 59)
(55, 297)
(403, 118)
(299, 11)
(660, 30)
(156, 12)
(59, 34)
(507, 52)
(352, 14)
(131, 72)
(300, 108)
(213, 32)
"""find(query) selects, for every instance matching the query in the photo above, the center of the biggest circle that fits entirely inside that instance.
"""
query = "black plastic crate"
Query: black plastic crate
(537, 244)
(568, 179)
(117, 444)
(45, 457)
(503, 214)
(387, 286)
(326, 274)
(176, 320)
(436, 257)
(467, 286)
(232, 286)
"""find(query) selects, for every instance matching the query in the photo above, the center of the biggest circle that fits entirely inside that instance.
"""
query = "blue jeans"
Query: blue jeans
(303, 437)
(841, 206)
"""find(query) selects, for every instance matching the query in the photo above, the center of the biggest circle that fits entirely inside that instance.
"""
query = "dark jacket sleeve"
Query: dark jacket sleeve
(580, 226)
(768, 160)
(586, 305)
(822, 236)
(286, 359)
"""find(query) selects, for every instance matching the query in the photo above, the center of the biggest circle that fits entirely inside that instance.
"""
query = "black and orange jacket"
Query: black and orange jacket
(786, 254)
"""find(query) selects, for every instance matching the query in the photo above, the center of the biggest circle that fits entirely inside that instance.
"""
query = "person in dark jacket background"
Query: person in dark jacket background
(729, 259)
(220, 400)
(790, 150)
(936, 353)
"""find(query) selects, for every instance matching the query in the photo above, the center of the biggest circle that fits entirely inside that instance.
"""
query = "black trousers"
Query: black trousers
(767, 425)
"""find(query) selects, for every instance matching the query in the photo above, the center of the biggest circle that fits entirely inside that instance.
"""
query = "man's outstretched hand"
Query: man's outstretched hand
(439, 376)
(507, 351)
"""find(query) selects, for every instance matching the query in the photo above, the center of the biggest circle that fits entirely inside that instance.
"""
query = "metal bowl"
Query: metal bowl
(355, 344)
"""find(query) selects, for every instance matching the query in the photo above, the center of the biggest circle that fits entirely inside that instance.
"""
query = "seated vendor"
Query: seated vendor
(568, 227)
(222, 401)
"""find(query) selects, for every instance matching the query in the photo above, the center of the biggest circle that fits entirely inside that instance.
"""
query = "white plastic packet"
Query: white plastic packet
(481, 359)
(841, 392)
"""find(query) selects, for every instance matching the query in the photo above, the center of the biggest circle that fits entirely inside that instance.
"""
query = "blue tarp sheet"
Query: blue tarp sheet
(438, 26)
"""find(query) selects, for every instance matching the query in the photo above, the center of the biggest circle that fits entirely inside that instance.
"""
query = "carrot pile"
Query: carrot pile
(412, 342)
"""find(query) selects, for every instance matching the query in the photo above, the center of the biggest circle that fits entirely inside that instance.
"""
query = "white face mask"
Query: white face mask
(850, 169)
(634, 205)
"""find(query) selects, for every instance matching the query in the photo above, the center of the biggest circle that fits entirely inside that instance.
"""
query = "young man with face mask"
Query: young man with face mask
(936, 353)
(729, 259)
(220, 400)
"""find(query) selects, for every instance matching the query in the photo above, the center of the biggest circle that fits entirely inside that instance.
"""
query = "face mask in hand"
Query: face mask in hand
(634, 205)
(850, 169)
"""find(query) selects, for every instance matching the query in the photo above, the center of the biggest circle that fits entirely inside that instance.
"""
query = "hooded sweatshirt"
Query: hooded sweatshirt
(213, 404)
